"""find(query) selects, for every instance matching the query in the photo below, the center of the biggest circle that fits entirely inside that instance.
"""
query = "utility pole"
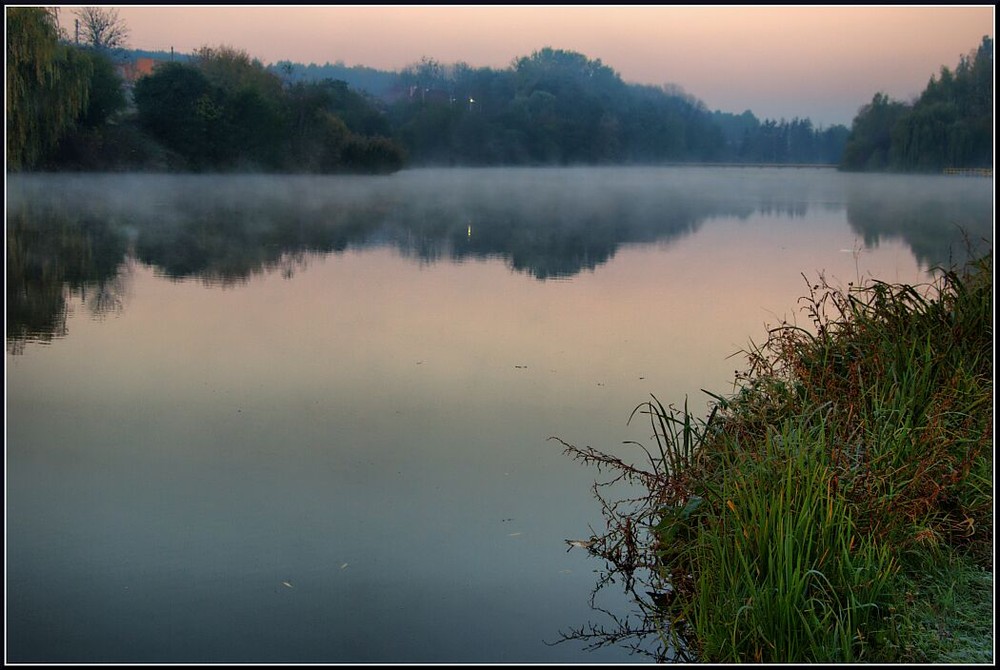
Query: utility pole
(77, 38)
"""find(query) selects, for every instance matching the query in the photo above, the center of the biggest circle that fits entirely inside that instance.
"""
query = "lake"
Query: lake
(306, 419)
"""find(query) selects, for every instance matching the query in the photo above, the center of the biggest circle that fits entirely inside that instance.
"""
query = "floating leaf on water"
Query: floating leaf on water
(583, 544)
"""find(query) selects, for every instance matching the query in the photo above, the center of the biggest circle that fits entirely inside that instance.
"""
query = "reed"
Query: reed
(781, 570)
(796, 523)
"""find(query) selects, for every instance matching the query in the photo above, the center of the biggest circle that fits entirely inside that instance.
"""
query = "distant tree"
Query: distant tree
(736, 129)
(831, 143)
(357, 111)
(869, 144)
(575, 102)
(91, 143)
(176, 106)
(106, 96)
(949, 125)
(371, 154)
(378, 83)
(223, 110)
(554, 106)
(249, 100)
(233, 69)
(423, 77)
(102, 28)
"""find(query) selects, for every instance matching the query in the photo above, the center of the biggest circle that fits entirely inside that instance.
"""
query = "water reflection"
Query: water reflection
(630, 503)
(52, 255)
(640, 628)
(77, 235)
(944, 220)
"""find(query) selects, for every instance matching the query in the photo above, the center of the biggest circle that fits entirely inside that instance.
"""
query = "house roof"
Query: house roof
(140, 67)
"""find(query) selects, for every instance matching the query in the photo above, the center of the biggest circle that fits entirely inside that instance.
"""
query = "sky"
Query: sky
(817, 62)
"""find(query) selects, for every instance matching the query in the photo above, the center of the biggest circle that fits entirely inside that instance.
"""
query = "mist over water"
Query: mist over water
(547, 222)
(305, 419)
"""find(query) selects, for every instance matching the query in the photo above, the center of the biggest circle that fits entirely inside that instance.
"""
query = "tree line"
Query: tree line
(219, 109)
(224, 110)
(950, 124)
(560, 107)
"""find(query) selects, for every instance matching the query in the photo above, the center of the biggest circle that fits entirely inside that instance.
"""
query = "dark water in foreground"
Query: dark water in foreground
(302, 419)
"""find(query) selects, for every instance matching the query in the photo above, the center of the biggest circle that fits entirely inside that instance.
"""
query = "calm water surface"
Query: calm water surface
(305, 419)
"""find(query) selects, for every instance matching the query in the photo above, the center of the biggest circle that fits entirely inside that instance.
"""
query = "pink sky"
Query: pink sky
(778, 61)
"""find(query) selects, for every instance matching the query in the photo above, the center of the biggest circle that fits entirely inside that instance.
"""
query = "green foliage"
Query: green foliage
(782, 572)
(869, 144)
(174, 105)
(233, 70)
(372, 154)
(220, 109)
(239, 113)
(122, 146)
(223, 110)
(359, 113)
(749, 140)
(333, 129)
(890, 399)
(106, 97)
(47, 86)
(949, 125)
(559, 107)
(552, 107)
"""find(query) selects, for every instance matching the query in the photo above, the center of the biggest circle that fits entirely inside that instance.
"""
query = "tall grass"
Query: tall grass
(781, 570)
(791, 524)
(907, 372)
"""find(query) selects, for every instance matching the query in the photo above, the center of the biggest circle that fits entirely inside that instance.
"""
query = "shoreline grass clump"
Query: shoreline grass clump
(838, 505)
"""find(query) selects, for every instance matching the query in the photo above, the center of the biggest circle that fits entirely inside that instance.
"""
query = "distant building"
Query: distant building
(134, 70)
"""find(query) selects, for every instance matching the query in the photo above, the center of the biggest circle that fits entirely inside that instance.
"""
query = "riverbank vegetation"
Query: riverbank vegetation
(837, 507)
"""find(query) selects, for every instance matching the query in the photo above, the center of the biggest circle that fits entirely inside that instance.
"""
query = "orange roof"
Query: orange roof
(140, 67)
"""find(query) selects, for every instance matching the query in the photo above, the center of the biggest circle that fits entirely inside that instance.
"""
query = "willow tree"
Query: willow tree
(47, 86)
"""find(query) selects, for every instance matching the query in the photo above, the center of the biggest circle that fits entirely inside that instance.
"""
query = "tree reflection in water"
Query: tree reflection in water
(71, 235)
